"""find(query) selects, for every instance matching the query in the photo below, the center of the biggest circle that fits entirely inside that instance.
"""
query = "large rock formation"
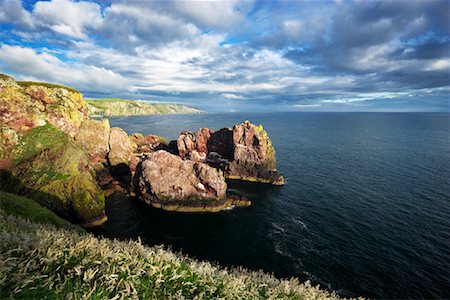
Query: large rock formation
(169, 182)
(253, 155)
(244, 152)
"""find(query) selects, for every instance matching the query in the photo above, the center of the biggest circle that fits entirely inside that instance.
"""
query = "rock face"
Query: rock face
(254, 155)
(120, 148)
(93, 137)
(169, 182)
(193, 145)
(244, 152)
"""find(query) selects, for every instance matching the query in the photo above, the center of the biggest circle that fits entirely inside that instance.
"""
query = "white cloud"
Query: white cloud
(46, 67)
(67, 17)
(232, 96)
(13, 12)
(215, 14)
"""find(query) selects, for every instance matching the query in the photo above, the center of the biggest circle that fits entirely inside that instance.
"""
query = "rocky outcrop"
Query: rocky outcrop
(93, 137)
(169, 182)
(193, 145)
(253, 156)
(120, 148)
(244, 152)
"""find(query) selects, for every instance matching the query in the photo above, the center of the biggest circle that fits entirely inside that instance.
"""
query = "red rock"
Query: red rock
(166, 179)
(193, 145)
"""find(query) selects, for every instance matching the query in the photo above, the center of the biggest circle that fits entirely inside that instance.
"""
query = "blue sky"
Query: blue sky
(237, 55)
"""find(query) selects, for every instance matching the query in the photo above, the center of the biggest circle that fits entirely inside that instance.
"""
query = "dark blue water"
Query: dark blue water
(365, 210)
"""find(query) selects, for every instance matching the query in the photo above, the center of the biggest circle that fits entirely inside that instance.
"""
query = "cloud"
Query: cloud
(213, 14)
(232, 96)
(67, 17)
(11, 11)
(28, 64)
(234, 54)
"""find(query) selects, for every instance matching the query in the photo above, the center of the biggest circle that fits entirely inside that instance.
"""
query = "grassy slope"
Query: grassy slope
(29, 209)
(121, 107)
(46, 84)
(40, 261)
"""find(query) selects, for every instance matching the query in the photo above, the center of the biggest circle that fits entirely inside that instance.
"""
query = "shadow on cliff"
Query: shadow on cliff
(11, 184)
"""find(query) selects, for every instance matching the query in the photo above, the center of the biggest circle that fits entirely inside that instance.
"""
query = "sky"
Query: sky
(225, 56)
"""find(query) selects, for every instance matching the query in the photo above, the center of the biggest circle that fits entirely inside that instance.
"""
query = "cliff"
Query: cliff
(39, 157)
(119, 107)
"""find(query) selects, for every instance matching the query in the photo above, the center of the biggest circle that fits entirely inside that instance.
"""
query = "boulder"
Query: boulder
(169, 182)
(93, 137)
(193, 145)
(120, 148)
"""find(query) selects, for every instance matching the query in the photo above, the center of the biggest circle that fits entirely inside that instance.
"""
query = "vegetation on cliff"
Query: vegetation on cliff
(120, 107)
(40, 261)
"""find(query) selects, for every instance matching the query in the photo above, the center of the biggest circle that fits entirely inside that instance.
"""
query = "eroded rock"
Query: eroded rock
(193, 145)
(167, 181)
(244, 152)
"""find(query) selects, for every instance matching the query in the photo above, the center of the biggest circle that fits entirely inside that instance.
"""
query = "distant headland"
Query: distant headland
(114, 107)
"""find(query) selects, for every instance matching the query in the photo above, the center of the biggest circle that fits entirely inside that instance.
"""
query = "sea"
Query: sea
(365, 210)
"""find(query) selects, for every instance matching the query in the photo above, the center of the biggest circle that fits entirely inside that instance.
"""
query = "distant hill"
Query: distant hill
(121, 107)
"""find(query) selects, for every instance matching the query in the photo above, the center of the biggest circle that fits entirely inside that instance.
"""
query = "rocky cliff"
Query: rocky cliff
(120, 107)
(39, 156)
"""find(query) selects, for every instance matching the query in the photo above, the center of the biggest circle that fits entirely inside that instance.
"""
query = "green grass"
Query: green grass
(46, 84)
(41, 261)
(28, 209)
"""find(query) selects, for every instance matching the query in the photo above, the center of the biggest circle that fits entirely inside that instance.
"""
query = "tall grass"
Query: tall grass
(40, 261)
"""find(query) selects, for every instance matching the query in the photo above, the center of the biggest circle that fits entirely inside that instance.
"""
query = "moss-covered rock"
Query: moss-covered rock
(50, 168)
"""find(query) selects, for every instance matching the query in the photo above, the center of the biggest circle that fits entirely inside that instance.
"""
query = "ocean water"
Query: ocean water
(365, 210)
